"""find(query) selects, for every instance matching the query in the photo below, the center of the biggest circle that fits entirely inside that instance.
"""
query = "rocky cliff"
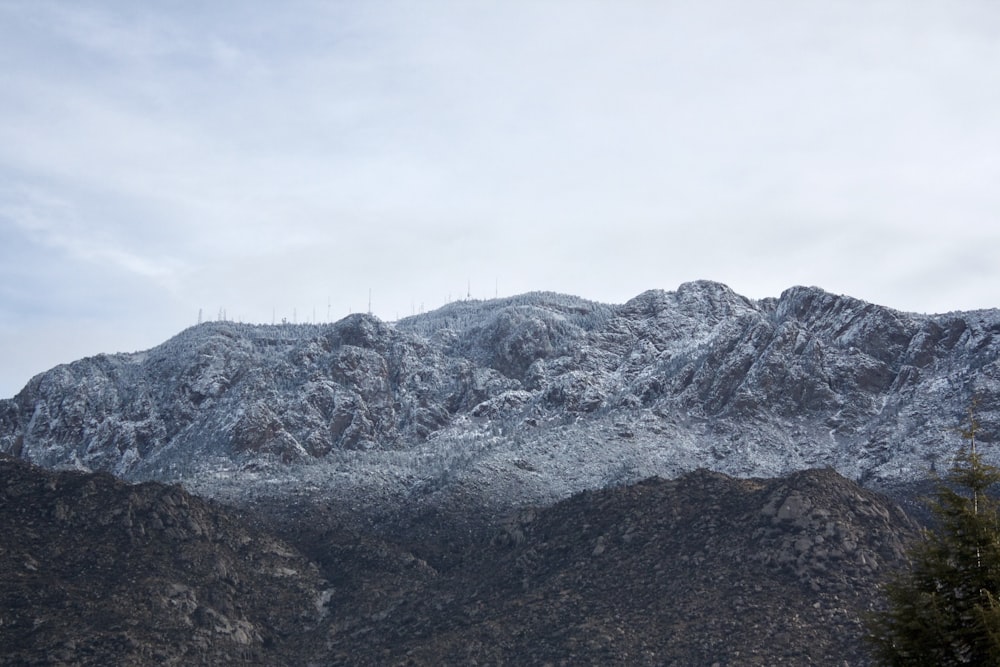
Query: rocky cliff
(529, 397)
(94, 571)
(701, 570)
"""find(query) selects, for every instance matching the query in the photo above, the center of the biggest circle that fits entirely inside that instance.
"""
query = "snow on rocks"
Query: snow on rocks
(532, 396)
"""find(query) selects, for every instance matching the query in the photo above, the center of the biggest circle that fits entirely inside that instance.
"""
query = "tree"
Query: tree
(945, 610)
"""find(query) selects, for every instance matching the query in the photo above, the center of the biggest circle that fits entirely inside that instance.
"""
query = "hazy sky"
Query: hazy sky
(281, 159)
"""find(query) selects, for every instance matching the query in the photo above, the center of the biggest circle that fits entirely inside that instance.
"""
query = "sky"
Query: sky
(300, 160)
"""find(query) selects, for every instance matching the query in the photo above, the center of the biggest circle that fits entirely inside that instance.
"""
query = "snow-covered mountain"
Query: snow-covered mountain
(530, 397)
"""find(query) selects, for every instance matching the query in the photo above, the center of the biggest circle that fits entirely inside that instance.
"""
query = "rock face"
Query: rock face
(96, 572)
(702, 570)
(533, 395)
(460, 487)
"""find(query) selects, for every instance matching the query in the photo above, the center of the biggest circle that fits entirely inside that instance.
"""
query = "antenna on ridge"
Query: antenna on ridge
(468, 291)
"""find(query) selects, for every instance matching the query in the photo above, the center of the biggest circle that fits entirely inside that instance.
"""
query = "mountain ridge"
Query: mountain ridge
(702, 569)
(528, 395)
(96, 571)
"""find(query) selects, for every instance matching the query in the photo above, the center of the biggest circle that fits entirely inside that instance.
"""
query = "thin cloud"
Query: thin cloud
(267, 157)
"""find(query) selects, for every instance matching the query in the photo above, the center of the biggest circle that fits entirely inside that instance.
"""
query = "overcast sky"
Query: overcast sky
(282, 159)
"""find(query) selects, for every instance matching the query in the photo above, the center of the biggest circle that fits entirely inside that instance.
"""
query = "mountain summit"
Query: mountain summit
(463, 486)
(529, 397)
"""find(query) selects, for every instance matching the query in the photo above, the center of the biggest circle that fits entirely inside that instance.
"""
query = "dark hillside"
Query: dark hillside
(702, 570)
(97, 572)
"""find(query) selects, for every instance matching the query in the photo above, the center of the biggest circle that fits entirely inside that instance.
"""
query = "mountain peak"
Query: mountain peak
(697, 377)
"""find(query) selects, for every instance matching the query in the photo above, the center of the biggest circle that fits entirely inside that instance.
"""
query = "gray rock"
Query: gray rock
(578, 393)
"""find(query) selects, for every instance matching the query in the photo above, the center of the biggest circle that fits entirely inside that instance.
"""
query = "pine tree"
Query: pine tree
(945, 610)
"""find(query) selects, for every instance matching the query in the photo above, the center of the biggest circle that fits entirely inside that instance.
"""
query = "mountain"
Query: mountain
(703, 569)
(527, 399)
(464, 486)
(94, 571)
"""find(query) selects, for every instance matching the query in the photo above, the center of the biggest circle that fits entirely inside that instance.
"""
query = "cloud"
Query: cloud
(52, 226)
(259, 156)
